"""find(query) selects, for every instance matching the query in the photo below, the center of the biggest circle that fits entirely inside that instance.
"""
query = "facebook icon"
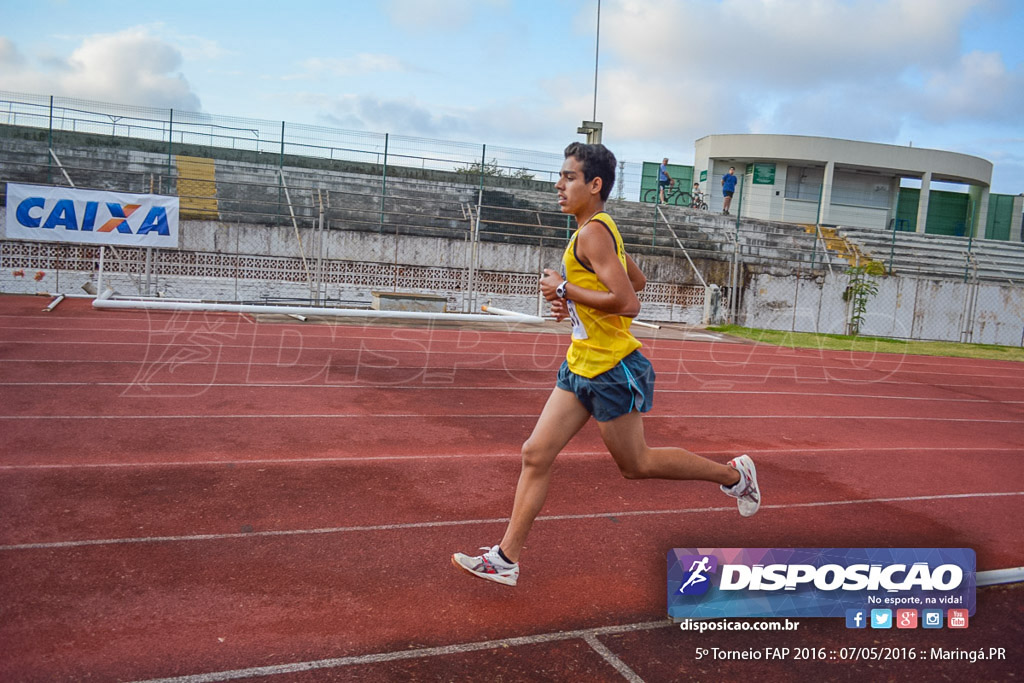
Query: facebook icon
(856, 618)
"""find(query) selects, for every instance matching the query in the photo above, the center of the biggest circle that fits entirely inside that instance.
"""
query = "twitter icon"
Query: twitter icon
(881, 618)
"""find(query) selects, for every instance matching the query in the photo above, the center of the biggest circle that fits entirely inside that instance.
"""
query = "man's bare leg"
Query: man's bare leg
(624, 437)
(563, 416)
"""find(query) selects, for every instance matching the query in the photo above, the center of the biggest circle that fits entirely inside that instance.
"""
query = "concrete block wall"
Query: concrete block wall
(226, 261)
(904, 308)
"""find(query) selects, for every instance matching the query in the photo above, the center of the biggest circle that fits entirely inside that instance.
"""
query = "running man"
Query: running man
(604, 374)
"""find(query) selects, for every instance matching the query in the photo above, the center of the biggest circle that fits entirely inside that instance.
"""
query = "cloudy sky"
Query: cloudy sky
(944, 74)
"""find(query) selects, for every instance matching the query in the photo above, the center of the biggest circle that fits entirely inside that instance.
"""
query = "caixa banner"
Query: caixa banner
(708, 583)
(63, 214)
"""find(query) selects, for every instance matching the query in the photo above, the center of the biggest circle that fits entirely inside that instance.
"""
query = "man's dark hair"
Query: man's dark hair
(597, 162)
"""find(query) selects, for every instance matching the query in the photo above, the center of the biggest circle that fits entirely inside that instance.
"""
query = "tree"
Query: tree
(860, 290)
(491, 169)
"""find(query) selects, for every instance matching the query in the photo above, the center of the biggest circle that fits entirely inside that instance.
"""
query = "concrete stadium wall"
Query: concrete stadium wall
(221, 261)
(904, 308)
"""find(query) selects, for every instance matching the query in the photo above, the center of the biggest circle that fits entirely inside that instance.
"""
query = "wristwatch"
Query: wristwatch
(560, 289)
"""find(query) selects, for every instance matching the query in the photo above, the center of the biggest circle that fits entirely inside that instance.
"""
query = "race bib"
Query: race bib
(578, 330)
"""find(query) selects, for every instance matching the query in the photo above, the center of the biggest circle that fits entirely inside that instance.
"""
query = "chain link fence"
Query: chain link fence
(274, 212)
(278, 212)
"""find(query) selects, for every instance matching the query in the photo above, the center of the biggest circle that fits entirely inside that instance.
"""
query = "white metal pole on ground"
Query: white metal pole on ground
(494, 310)
(104, 302)
(996, 577)
(54, 303)
(502, 311)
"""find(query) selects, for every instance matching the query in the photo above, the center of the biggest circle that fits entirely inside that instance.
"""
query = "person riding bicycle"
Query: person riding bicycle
(664, 179)
(696, 197)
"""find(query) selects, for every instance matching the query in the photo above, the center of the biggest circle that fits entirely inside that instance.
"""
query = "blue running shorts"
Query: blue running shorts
(627, 387)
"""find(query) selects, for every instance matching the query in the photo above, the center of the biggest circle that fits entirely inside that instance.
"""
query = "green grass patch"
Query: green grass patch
(839, 342)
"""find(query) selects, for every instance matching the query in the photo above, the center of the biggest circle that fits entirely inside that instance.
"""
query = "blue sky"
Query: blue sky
(944, 74)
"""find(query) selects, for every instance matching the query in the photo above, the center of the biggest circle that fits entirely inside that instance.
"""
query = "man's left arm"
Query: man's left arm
(636, 276)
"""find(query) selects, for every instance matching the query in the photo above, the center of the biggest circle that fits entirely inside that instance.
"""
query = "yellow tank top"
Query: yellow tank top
(599, 340)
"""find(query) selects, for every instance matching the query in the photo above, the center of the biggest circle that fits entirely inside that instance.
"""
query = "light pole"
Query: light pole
(593, 128)
(597, 54)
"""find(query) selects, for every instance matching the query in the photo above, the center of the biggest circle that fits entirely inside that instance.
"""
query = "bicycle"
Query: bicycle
(697, 202)
(673, 196)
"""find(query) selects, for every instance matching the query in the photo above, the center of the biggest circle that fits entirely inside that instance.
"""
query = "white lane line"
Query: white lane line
(212, 340)
(497, 416)
(288, 461)
(413, 654)
(257, 328)
(273, 332)
(244, 335)
(589, 635)
(933, 450)
(331, 333)
(155, 386)
(705, 377)
(878, 364)
(497, 520)
(424, 377)
(612, 659)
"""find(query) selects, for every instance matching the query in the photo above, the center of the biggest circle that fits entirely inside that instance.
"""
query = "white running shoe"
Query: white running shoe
(746, 492)
(488, 566)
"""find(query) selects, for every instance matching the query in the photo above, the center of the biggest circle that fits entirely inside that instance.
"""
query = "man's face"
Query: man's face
(573, 191)
(732, 171)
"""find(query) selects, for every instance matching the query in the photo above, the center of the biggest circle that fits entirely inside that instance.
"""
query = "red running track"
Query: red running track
(188, 495)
